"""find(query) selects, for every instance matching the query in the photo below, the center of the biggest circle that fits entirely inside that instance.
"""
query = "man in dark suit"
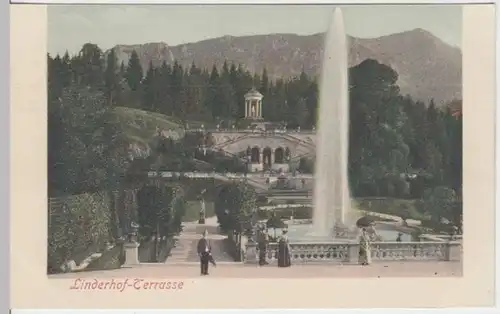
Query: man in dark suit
(204, 252)
(262, 245)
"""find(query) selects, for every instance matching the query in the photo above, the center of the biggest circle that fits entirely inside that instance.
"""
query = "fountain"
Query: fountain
(332, 200)
(333, 220)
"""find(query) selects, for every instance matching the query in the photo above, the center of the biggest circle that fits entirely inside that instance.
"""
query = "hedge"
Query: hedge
(78, 226)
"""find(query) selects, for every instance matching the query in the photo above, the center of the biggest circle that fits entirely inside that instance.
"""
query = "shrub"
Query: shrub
(77, 224)
(112, 259)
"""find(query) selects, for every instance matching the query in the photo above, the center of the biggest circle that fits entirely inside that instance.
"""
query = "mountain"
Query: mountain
(428, 68)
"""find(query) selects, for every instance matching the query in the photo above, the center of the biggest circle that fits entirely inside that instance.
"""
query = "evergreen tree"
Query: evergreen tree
(213, 98)
(176, 90)
(165, 101)
(91, 66)
(65, 74)
(227, 93)
(264, 83)
(111, 78)
(148, 86)
(134, 72)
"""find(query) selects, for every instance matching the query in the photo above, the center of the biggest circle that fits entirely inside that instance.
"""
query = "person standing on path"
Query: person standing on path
(284, 251)
(205, 253)
(263, 243)
(365, 253)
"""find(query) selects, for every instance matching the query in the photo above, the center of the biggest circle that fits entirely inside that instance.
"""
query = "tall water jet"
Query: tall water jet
(331, 190)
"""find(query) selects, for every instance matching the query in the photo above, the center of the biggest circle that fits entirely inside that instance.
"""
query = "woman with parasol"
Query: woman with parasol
(275, 223)
(365, 254)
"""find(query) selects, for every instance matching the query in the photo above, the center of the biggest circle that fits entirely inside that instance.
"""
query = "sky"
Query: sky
(70, 26)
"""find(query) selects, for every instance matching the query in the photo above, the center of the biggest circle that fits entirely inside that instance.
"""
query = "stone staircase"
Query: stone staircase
(259, 186)
(185, 251)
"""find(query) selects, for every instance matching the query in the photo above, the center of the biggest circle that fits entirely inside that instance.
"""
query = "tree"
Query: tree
(264, 83)
(227, 93)
(134, 72)
(301, 113)
(55, 75)
(439, 202)
(148, 89)
(306, 165)
(176, 90)
(160, 208)
(378, 152)
(90, 66)
(213, 98)
(86, 147)
(235, 206)
(111, 79)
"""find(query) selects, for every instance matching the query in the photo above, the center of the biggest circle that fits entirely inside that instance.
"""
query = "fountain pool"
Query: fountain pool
(302, 233)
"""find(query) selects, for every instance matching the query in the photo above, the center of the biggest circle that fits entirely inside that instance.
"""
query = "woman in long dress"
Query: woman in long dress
(284, 258)
(365, 253)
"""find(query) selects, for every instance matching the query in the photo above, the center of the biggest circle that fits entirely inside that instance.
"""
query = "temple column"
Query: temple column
(272, 155)
(260, 108)
(246, 108)
(261, 156)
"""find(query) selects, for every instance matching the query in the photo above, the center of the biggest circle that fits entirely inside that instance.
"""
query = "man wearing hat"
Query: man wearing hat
(204, 252)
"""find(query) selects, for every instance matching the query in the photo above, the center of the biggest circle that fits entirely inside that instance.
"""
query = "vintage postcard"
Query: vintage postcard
(191, 143)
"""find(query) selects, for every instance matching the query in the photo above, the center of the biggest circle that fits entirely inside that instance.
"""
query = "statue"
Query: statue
(201, 221)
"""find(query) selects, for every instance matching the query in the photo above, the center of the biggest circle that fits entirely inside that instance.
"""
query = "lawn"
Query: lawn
(141, 126)
(193, 210)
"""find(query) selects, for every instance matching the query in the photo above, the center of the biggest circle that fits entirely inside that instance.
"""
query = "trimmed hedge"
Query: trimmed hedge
(78, 226)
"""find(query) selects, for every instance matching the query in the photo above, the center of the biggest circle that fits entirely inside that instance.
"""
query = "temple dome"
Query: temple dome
(253, 93)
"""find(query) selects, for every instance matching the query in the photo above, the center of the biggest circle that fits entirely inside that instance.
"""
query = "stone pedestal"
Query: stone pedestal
(131, 253)
(201, 220)
(353, 253)
(453, 251)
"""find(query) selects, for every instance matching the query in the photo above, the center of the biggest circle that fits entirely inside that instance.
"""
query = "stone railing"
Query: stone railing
(348, 253)
(236, 130)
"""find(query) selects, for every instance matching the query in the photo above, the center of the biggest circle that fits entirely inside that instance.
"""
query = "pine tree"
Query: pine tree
(111, 80)
(212, 93)
(176, 90)
(134, 72)
(228, 97)
(194, 91)
(91, 65)
(66, 77)
(264, 83)
(165, 102)
(148, 86)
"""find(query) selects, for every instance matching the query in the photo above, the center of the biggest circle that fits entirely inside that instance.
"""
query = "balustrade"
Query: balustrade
(349, 252)
(394, 251)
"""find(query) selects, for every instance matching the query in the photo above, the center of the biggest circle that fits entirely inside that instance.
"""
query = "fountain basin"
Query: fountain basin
(302, 233)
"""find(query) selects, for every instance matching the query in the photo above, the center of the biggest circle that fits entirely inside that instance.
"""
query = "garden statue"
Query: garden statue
(201, 221)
